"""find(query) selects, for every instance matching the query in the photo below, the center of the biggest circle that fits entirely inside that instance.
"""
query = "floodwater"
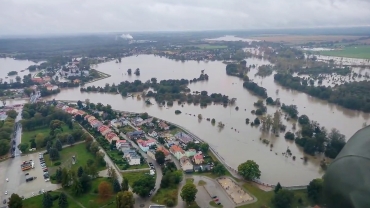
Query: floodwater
(235, 146)
(9, 64)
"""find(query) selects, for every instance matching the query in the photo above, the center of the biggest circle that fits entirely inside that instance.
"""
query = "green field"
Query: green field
(79, 150)
(350, 52)
(28, 135)
(36, 202)
(134, 176)
(264, 197)
(90, 199)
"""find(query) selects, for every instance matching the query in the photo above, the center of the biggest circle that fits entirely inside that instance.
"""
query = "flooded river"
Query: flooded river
(234, 146)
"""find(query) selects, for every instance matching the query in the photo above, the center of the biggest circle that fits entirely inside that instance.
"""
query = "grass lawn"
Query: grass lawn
(213, 204)
(28, 135)
(126, 128)
(36, 202)
(201, 183)
(92, 199)
(166, 193)
(351, 52)
(264, 197)
(141, 166)
(175, 131)
(79, 150)
(134, 176)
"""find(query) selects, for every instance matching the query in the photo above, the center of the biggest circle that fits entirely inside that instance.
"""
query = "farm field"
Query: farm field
(362, 52)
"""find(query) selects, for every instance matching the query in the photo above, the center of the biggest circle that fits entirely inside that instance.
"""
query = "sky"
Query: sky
(24, 17)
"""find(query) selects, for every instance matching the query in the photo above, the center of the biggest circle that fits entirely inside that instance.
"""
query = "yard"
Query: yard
(28, 135)
(36, 202)
(122, 163)
(126, 129)
(166, 193)
(350, 52)
(264, 197)
(134, 176)
(79, 151)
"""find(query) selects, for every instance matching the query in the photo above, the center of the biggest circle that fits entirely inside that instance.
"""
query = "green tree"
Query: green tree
(23, 147)
(283, 199)
(58, 175)
(58, 145)
(54, 154)
(40, 138)
(160, 157)
(47, 200)
(188, 192)
(65, 178)
(76, 188)
(204, 147)
(85, 181)
(80, 171)
(63, 201)
(219, 169)
(15, 201)
(303, 120)
(124, 185)
(70, 140)
(249, 170)
(12, 114)
(315, 190)
(125, 199)
(116, 186)
(277, 188)
(143, 185)
(4, 146)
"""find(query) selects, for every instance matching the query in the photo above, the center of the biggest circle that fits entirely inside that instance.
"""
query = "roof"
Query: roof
(198, 156)
(175, 148)
(164, 150)
(183, 137)
(145, 143)
(346, 179)
(121, 141)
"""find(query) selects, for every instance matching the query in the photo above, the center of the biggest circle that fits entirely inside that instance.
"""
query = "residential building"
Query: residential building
(115, 123)
(149, 120)
(181, 136)
(111, 137)
(163, 125)
(198, 158)
(152, 133)
(186, 164)
(190, 152)
(95, 123)
(104, 130)
(120, 143)
(145, 144)
(136, 121)
(165, 151)
(177, 151)
(135, 134)
(133, 158)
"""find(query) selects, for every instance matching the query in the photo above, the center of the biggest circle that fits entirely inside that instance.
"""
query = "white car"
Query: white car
(6, 192)
(7, 180)
(48, 179)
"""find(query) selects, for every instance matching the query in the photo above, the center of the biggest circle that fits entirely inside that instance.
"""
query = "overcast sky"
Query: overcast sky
(86, 16)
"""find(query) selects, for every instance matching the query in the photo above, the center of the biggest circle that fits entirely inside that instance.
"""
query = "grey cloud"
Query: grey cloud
(70, 16)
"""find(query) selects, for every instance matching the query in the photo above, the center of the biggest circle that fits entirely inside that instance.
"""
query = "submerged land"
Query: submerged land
(160, 115)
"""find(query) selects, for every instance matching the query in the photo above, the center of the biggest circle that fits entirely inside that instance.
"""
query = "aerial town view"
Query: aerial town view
(187, 104)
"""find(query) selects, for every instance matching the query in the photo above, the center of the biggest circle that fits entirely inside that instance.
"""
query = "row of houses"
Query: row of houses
(187, 158)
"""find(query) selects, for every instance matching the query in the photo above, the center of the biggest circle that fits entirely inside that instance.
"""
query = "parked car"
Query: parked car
(214, 197)
(4, 201)
(48, 179)
(26, 174)
(219, 203)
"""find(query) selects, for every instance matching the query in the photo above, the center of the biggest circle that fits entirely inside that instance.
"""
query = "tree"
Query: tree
(15, 201)
(219, 169)
(79, 104)
(12, 114)
(129, 71)
(204, 147)
(63, 202)
(277, 187)
(39, 140)
(124, 185)
(76, 188)
(58, 145)
(303, 120)
(80, 171)
(4, 146)
(144, 116)
(47, 200)
(65, 178)
(112, 173)
(55, 124)
(249, 170)
(71, 140)
(160, 157)
(283, 199)
(58, 175)
(85, 181)
(315, 190)
(105, 189)
(125, 199)
(143, 185)
(200, 117)
(54, 154)
(213, 121)
(23, 147)
(289, 135)
(188, 192)
(116, 186)
(257, 121)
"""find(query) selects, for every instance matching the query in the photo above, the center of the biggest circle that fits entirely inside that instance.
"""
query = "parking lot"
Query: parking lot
(11, 170)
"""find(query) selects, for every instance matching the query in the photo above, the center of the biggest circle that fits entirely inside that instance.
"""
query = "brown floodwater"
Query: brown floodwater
(234, 146)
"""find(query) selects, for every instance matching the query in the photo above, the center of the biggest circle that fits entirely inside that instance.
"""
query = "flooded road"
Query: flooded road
(235, 146)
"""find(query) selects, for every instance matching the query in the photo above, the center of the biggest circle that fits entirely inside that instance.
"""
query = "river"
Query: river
(234, 146)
